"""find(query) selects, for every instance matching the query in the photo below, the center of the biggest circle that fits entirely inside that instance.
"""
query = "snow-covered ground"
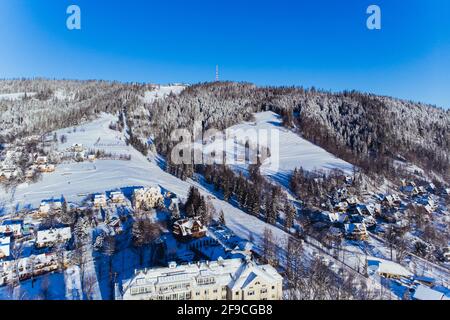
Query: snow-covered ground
(287, 149)
(15, 96)
(162, 92)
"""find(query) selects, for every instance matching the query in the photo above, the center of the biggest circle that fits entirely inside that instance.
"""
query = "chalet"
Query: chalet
(49, 205)
(187, 229)
(117, 197)
(352, 201)
(5, 247)
(147, 198)
(92, 157)
(370, 222)
(100, 200)
(371, 209)
(431, 187)
(77, 147)
(46, 168)
(29, 174)
(41, 160)
(48, 238)
(13, 229)
(8, 172)
(356, 231)
(387, 269)
(391, 200)
(422, 190)
(341, 207)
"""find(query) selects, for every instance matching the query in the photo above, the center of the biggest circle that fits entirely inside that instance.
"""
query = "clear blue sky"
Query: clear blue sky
(322, 43)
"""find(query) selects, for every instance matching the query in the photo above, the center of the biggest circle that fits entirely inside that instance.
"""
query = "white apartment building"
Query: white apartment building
(231, 279)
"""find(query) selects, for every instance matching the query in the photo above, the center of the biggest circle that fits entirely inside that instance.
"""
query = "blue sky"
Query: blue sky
(321, 43)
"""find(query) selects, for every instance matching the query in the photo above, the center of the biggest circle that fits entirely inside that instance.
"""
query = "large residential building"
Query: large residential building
(147, 198)
(231, 279)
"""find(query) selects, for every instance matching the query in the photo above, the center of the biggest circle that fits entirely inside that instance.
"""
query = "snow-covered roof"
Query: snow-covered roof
(186, 225)
(355, 227)
(382, 266)
(11, 228)
(425, 293)
(5, 246)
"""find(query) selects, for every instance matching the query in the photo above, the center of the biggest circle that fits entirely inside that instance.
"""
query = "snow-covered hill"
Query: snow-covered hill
(288, 150)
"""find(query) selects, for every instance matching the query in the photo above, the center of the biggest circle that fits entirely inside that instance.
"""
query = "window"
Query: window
(264, 290)
(251, 293)
(197, 293)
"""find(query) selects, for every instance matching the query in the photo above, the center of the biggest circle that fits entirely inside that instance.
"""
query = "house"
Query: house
(13, 229)
(100, 200)
(410, 190)
(187, 229)
(224, 279)
(147, 198)
(341, 207)
(41, 160)
(356, 231)
(387, 269)
(46, 168)
(48, 238)
(329, 217)
(117, 197)
(431, 187)
(352, 201)
(391, 200)
(77, 147)
(92, 157)
(5, 244)
(29, 174)
(446, 253)
(50, 205)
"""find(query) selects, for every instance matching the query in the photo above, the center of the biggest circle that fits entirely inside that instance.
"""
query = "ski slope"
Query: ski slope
(161, 92)
(288, 150)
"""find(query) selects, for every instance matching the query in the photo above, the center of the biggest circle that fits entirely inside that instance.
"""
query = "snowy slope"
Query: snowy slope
(288, 150)
(161, 92)
(14, 96)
